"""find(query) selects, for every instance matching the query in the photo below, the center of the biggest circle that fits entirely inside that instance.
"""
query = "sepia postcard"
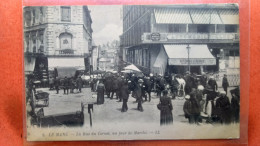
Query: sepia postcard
(132, 72)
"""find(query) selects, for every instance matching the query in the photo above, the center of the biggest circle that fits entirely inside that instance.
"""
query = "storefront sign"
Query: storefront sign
(193, 62)
(167, 37)
(155, 36)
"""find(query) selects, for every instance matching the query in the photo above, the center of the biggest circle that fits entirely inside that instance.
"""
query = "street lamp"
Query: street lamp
(188, 49)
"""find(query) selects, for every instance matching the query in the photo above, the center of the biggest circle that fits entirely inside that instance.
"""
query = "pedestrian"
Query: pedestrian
(71, 84)
(148, 87)
(51, 83)
(188, 80)
(191, 109)
(165, 107)
(66, 85)
(138, 91)
(223, 108)
(100, 92)
(161, 85)
(212, 83)
(119, 85)
(225, 83)
(91, 82)
(114, 85)
(235, 104)
(57, 84)
(79, 83)
(124, 95)
(152, 80)
(174, 87)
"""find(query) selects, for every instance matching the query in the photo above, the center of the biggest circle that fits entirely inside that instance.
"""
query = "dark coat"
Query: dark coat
(66, 82)
(100, 93)
(225, 83)
(148, 85)
(165, 106)
(213, 84)
(139, 91)
(79, 82)
(191, 107)
(223, 109)
(124, 91)
(235, 104)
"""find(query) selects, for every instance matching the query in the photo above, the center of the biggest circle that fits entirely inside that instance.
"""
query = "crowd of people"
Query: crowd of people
(67, 84)
(201, 92)
(203, 99)
(209, 103)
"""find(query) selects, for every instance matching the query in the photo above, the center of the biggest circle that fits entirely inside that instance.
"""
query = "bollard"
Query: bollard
(90, 106)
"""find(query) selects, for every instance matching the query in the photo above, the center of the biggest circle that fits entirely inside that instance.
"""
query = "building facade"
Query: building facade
(57, 37)
(151, 34)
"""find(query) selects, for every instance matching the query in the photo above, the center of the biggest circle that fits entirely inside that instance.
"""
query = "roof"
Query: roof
(175, 15)
(195, 16)
(205, 16)
(229, 16)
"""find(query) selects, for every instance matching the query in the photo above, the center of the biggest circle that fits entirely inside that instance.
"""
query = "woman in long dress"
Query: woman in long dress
(165, 106)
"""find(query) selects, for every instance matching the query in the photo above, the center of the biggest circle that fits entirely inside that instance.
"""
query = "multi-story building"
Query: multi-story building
(57, 37)
(167, 39)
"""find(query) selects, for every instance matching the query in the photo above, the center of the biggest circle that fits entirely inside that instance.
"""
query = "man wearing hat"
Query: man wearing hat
(222, 108)
(212, 83)
(191, 109)
(138, 91)
(225, 83)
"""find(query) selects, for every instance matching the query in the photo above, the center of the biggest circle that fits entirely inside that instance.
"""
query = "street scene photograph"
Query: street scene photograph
(130, 72)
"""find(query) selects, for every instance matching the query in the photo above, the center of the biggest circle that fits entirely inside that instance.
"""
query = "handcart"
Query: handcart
(41, 96)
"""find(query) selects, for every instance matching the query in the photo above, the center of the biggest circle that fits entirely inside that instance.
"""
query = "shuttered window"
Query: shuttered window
(65, 14)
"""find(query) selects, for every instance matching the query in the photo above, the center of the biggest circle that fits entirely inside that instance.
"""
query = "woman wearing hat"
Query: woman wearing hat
(165, 106)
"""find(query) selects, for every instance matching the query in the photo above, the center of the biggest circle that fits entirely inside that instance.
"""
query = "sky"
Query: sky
(106, 23)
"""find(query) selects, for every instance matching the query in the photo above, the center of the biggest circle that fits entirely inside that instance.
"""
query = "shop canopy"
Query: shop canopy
(195, 16)
(66, 66)
(199, 55)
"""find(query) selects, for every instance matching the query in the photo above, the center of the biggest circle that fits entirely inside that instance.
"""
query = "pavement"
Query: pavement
(110, 111)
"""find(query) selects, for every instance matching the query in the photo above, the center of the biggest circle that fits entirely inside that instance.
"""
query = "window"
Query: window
(65, 14)
(28, 18)
(203, 28)
(34, 17)
(177, 28)
(230, 28)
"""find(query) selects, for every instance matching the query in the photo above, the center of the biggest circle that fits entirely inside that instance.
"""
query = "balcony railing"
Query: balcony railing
(190, 37)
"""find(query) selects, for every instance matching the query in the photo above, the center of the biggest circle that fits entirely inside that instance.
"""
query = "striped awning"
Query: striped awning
(229, 16)
(171, 16)
(205, 16)
(196, 16)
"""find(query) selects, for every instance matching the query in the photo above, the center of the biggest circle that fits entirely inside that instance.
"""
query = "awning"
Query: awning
(229, 16)
(205, 16)
(66, 66)
(160, 63)
(199, 55)
(66, 62)
(173, 15)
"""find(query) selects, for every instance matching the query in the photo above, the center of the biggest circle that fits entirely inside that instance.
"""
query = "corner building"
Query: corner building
(167, 39)
(57, 37)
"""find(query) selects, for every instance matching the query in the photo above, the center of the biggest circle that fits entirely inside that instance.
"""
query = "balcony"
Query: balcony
(190, 38)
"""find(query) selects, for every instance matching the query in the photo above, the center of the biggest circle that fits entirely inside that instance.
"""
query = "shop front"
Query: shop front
(179, 59)
(65, 66)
